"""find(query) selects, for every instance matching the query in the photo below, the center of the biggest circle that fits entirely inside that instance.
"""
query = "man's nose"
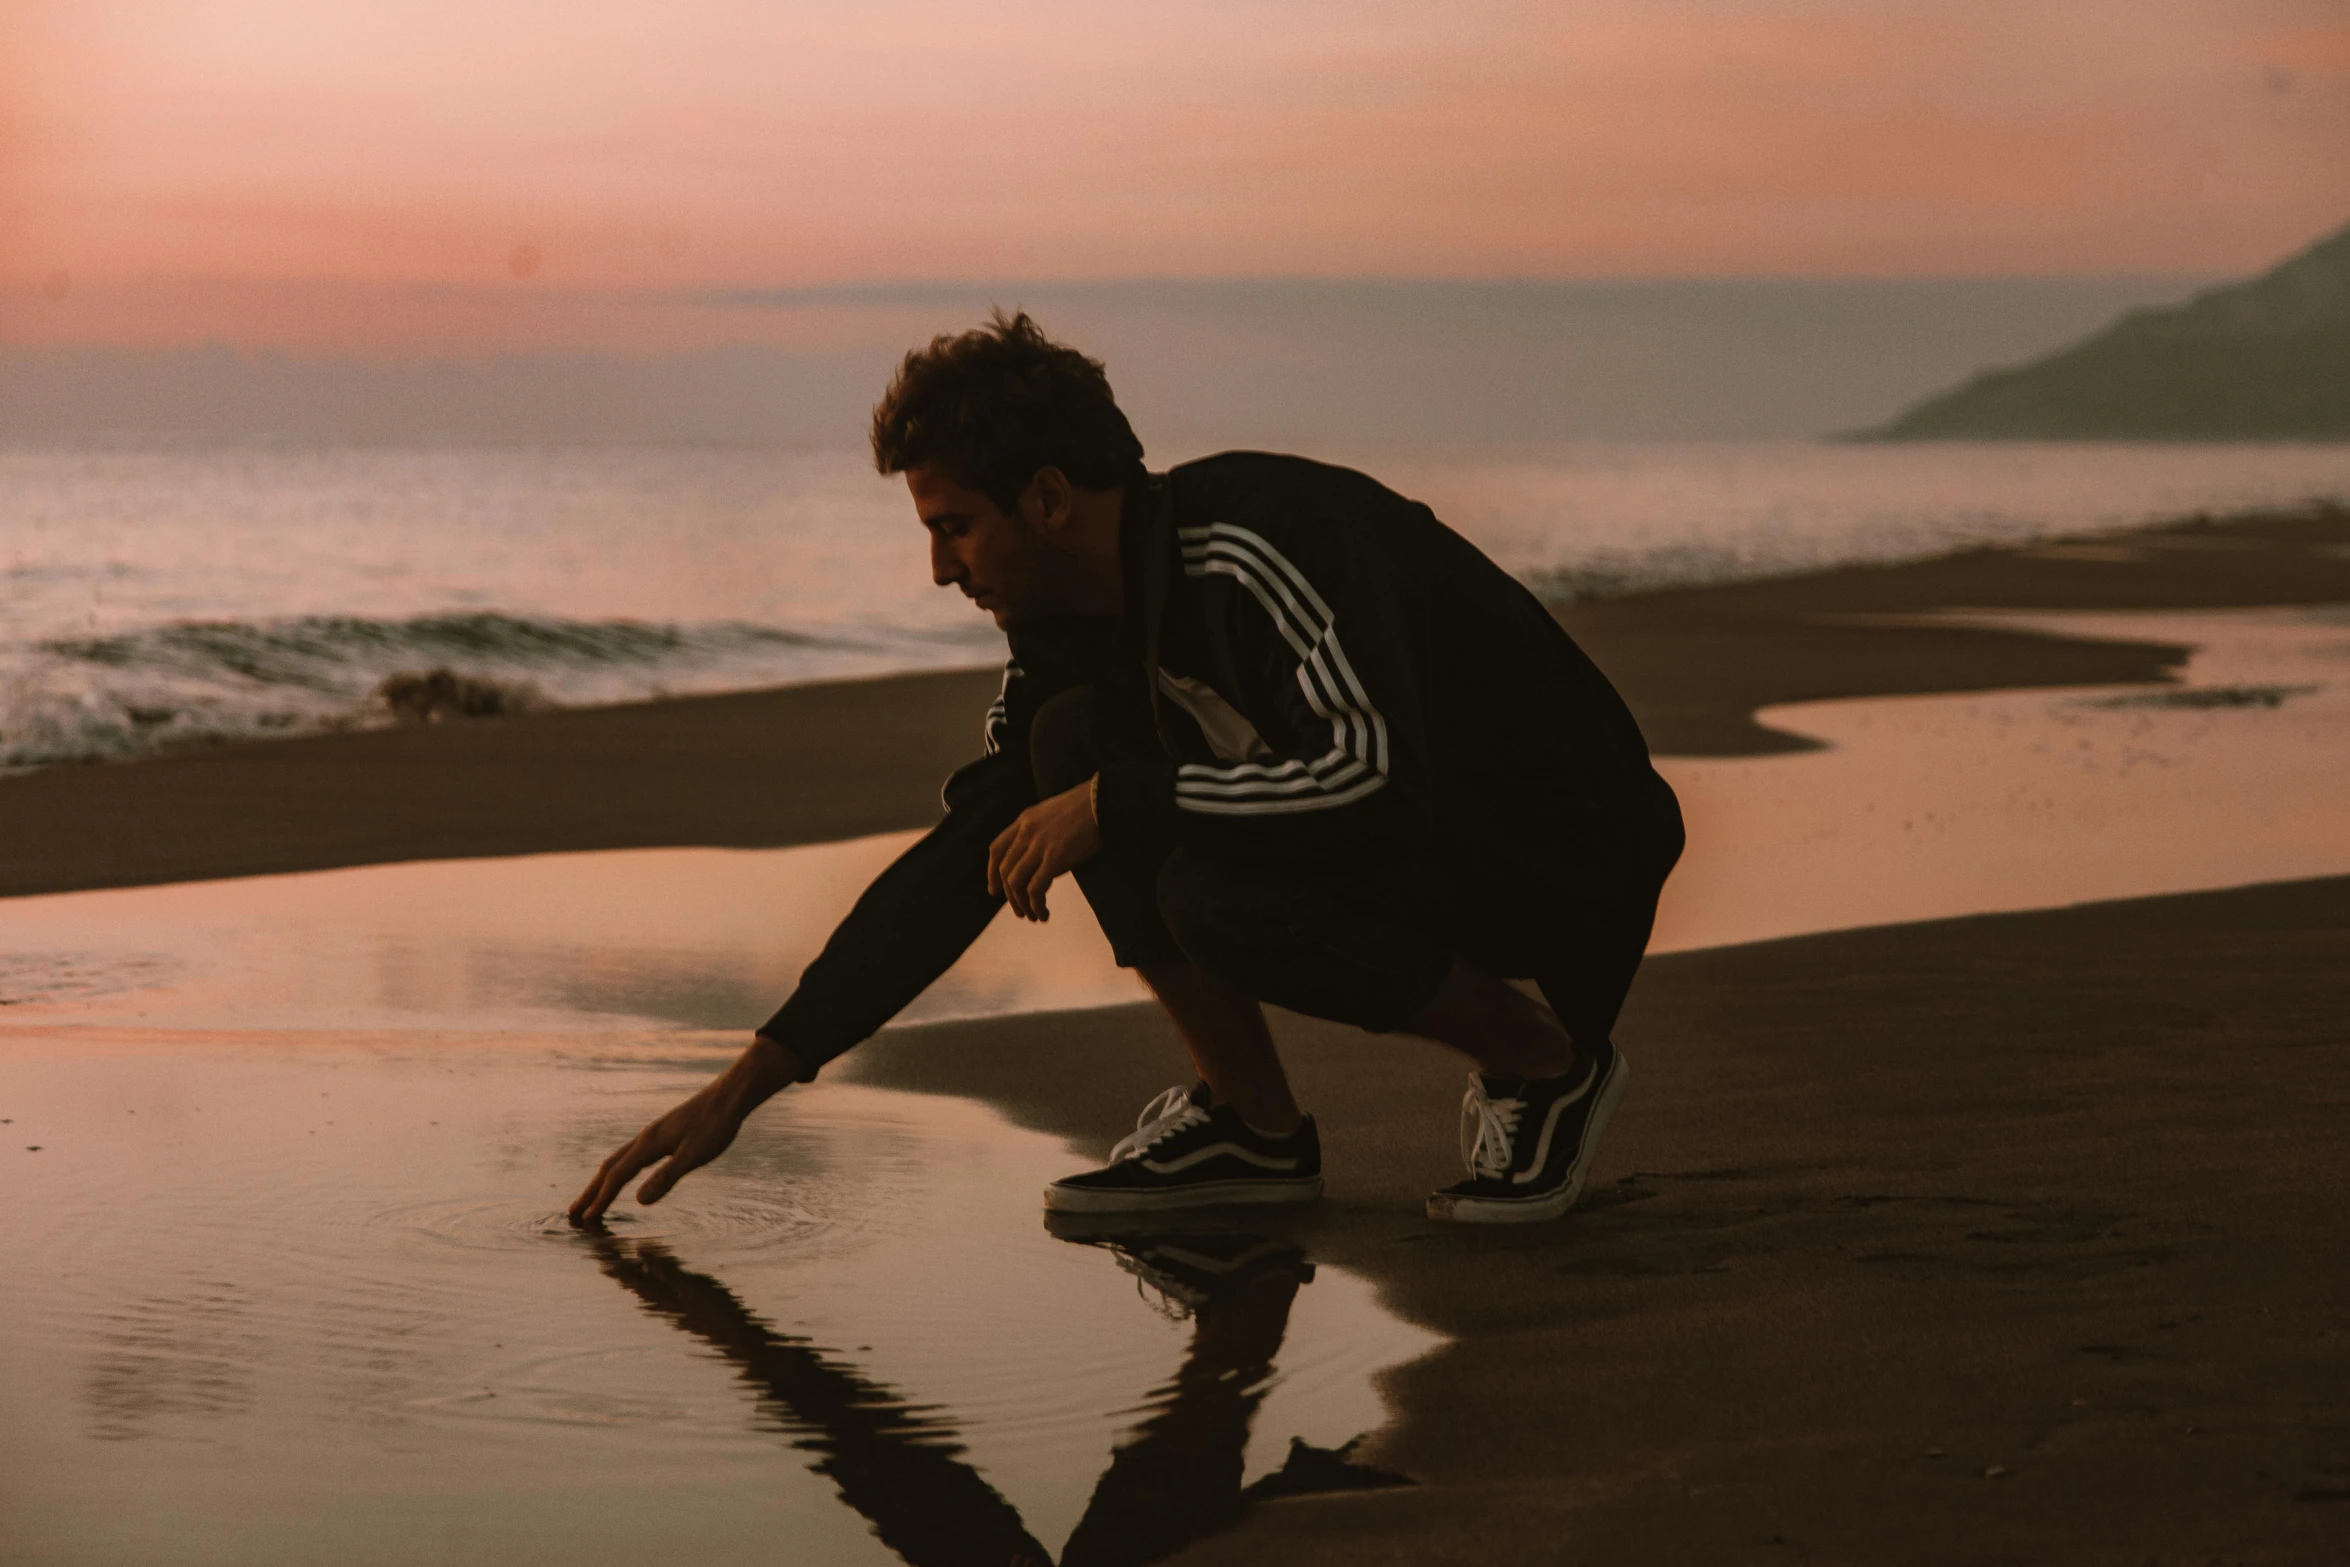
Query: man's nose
(945, 570)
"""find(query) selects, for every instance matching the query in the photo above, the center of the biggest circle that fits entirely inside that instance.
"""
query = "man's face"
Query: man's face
(975, 545)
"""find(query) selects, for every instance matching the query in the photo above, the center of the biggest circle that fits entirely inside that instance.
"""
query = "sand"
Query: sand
(2010, 1238)
(2014, 1238)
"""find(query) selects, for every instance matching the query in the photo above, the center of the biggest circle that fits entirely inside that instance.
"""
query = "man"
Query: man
(1299, 742)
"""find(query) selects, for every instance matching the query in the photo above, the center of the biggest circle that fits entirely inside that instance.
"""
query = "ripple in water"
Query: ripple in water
(252, 1269)
(518, 1223)
(569, 1388)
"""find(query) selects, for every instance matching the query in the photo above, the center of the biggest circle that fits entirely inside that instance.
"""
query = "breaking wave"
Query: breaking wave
(189, 683)
(316, 650)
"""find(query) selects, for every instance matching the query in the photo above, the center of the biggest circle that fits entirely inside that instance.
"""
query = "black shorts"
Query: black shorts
(1367, 946)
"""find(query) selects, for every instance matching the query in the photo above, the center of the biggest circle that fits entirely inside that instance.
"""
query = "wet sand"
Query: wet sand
(2007, 1238)
(814, 763)
(2015, 1238)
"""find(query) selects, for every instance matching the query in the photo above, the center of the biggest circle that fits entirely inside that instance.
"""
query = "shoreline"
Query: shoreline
(817, 763)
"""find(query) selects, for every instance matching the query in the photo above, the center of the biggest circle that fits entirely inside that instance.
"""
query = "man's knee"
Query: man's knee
(1061, 742)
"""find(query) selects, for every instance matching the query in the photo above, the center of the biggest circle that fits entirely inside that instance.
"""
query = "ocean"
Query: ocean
(176, 595)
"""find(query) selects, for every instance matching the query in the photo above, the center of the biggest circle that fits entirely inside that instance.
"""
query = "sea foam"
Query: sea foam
(187, 683)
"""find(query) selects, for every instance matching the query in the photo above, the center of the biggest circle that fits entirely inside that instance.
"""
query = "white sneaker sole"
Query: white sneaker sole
(1551, 1204)
(1214, 1194)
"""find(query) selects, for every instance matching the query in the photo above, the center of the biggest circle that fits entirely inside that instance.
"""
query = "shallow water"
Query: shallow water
(627, 939)
(1925, 807)
(311, 1298)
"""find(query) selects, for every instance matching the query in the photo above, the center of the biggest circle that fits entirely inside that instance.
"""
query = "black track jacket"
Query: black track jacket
(1338, 679)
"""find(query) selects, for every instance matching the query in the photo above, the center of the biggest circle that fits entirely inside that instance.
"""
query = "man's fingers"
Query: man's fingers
(687, 1159)
(585, 1206)
(666, 1173)
(1004, 880)
(693, 1150)
(658, 1183)
(1020, 879)
(618, 1171)
(613, 1185)
(587, 1193)
(995, 860)
(1014, 847)
(1040, 881)
(1002, 854)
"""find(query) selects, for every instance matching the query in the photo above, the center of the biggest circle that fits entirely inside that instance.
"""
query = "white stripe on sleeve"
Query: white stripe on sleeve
(1356, 763)
(994, 729)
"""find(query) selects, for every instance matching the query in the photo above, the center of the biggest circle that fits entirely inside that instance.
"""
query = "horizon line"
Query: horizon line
(854, 289)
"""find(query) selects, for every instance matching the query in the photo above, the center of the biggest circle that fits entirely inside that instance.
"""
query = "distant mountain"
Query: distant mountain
(2263, 360)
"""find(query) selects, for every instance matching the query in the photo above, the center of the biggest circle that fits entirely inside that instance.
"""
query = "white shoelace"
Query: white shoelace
(1489, 1129)
(1162, 1118)
(1161, 1293)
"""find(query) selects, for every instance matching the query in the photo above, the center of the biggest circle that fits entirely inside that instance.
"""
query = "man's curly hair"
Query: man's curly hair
(993, 405)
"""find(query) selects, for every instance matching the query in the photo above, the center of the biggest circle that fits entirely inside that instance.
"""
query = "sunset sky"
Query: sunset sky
(325, 176)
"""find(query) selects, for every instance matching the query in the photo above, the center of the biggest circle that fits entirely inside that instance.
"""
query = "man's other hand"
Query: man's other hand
(691, 1135)
(1051, 836)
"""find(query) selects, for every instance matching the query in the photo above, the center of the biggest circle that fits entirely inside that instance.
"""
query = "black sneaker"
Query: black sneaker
(1186, 1152)
(1528, 1141)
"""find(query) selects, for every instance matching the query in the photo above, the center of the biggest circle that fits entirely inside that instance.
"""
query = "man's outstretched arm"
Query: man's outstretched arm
(913, 922)
(910, 926)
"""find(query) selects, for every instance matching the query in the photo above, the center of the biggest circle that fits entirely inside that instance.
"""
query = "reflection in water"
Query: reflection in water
(184, 1354)
(626, 939)
(893, 1461)
(280, 1300)
(1176, 1477)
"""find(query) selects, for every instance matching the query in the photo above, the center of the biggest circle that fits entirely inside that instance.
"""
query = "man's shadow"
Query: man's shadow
(1175, 1477)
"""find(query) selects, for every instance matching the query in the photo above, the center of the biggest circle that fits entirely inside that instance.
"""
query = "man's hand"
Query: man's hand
(691, 1135)
(1051, 836)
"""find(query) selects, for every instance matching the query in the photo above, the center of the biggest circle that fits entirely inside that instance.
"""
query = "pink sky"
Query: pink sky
(286, 171)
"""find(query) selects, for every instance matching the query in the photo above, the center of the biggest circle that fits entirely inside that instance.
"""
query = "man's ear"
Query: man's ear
(1048, 501)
